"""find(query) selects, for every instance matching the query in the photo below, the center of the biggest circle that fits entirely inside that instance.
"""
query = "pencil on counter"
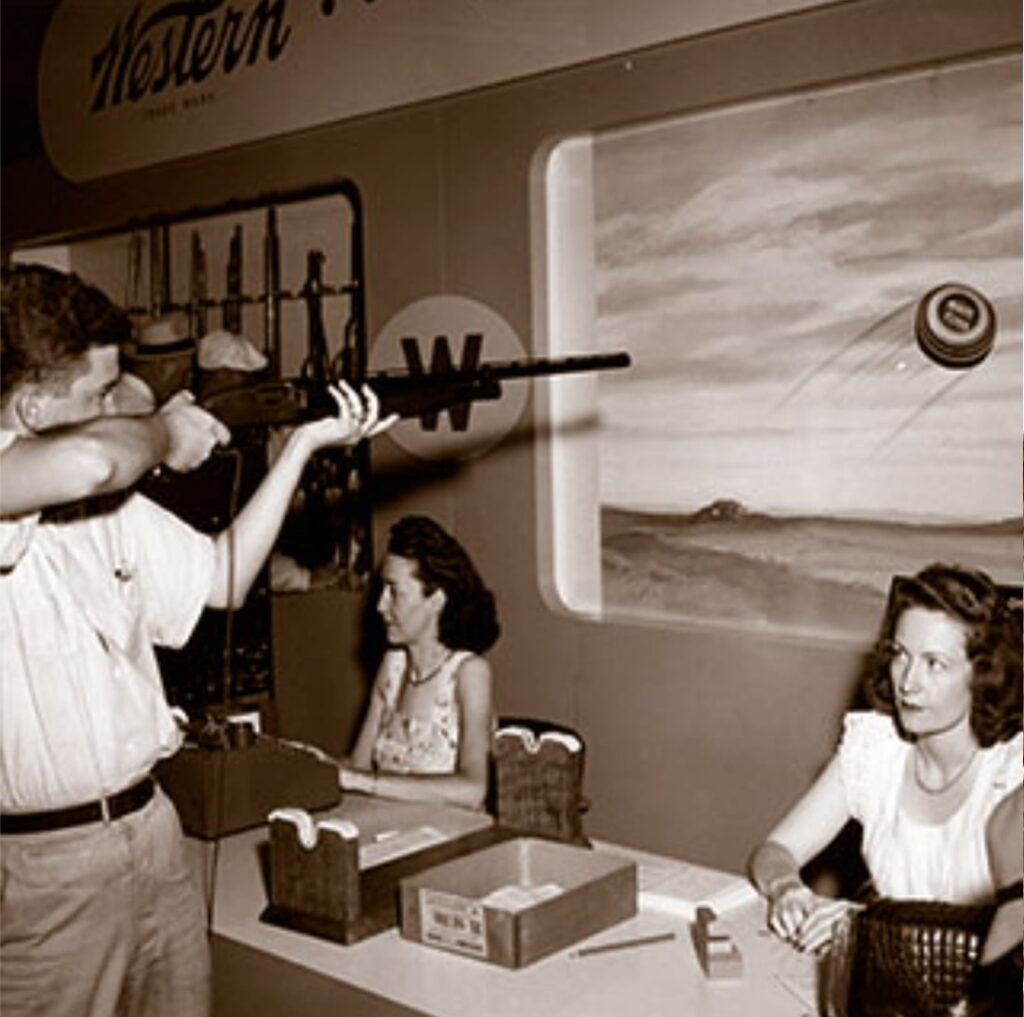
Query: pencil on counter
(623, 944)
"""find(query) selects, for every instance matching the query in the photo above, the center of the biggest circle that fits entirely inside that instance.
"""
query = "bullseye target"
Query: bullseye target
(956, 325)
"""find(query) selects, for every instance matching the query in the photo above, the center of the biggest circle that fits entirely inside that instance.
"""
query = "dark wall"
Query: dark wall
(697, 738)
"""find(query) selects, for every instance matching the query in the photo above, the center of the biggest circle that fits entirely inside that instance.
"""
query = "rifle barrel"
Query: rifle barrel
(532, 367)
(409, 393)
(502, 370)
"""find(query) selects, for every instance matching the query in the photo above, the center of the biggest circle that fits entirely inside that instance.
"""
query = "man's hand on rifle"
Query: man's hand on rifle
(192, 432)
(357, 418)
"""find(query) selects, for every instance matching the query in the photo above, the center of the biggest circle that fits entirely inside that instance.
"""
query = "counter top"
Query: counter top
(662, 978)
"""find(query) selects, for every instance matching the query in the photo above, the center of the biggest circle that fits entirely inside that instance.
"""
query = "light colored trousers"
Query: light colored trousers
(102, 920)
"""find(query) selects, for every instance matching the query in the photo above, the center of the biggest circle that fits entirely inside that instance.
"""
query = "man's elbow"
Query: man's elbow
(90, 468)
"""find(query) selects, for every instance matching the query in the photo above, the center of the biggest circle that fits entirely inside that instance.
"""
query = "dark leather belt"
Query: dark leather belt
(1011, 892)
(113, 807)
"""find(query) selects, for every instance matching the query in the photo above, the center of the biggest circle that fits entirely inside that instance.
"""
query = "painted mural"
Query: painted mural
(787, 440)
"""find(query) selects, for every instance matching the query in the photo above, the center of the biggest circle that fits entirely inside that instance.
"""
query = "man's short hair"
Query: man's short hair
(48, 321)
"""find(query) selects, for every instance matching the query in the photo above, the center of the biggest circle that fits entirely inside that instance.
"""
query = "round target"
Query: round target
(956, 325)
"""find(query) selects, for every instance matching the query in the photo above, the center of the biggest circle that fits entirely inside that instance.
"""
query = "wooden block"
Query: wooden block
(718, 954)
(724, 965)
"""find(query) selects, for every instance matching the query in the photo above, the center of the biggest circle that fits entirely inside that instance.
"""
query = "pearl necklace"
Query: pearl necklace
(413, 677)
(949, 783)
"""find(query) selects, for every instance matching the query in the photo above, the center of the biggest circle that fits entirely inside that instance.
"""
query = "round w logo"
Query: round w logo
(441, 363)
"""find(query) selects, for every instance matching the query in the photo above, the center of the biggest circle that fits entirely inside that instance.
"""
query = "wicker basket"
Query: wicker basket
(909, 958)
(539, 780)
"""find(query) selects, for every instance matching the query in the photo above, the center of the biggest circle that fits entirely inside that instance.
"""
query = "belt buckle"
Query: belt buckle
(105, 810)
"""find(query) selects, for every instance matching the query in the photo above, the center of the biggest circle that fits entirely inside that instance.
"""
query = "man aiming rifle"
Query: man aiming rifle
(99, 912)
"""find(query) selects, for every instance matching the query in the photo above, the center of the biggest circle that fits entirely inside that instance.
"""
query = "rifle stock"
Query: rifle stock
(409, 394)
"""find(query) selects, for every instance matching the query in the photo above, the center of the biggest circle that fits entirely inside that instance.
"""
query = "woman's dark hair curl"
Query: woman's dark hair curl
(993, 644)
(469, 619)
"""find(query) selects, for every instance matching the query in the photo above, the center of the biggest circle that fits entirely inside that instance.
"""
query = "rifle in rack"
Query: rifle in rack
(413, 393)
(319, 530)
(271, 291)
(231, 310)
(197, 286)
(317, 365)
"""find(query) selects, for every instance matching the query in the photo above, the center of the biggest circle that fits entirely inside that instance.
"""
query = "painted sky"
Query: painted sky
(763, 264)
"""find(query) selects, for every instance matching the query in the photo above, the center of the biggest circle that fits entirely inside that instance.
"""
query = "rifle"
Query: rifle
(321, 529)
(159, 270)
(231, 309)
(197, 286)
(272, 288)
(413, 393)
(316, 367)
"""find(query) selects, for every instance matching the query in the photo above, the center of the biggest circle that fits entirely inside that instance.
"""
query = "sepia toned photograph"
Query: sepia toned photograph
(511, 509)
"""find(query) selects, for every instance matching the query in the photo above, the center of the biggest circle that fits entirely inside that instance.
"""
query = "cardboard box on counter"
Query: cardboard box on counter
(516, 902)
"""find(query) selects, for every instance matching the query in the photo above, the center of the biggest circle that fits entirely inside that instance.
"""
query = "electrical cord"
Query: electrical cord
(220, 777)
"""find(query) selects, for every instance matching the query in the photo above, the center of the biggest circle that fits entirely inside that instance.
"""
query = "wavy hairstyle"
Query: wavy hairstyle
(993, 644)
(469, 619)
(48, 321)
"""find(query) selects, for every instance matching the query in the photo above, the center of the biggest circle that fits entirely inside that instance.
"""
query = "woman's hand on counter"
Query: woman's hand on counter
(817, 931)
(804, 918)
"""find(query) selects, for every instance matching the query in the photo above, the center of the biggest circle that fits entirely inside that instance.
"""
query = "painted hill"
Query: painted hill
(823, 575)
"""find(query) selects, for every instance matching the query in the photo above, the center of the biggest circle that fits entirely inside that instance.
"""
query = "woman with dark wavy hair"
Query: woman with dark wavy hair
(922, 771)
(427, 732)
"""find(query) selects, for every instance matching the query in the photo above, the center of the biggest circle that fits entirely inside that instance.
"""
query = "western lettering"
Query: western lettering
(182, 43)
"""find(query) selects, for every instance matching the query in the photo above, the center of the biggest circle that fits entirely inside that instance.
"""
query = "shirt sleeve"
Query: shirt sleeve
(174, 566)
(1009, 769)
(868, 750)
(15, 532)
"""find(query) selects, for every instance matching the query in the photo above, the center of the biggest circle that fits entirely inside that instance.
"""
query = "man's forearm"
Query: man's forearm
(99, 457)
(244, 546)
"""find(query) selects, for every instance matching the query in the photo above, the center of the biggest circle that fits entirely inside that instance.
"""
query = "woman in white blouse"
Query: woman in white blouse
(923, 771)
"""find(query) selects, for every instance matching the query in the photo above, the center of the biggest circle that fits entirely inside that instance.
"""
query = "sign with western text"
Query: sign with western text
(131, 83)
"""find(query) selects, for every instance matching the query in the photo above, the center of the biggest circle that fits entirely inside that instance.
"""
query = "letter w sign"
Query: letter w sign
(441, 363)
